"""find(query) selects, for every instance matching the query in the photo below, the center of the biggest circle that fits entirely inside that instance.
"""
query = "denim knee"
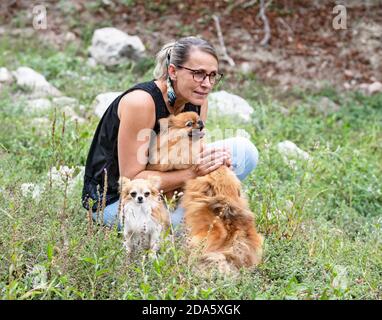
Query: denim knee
(248, 160)
(110, 215)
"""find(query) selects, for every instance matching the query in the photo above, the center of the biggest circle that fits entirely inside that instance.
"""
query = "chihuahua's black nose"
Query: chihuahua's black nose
(140, 199)
(201, 124)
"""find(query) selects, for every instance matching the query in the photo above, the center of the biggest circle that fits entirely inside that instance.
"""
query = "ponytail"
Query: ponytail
(160, 71)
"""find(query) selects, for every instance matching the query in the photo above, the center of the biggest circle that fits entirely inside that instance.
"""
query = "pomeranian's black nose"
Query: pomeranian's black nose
(200, 124)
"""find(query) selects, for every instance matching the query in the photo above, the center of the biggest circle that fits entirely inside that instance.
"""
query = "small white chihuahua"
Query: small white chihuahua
(143, 215)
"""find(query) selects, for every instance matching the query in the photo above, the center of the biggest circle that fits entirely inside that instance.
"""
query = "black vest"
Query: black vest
(103, 153)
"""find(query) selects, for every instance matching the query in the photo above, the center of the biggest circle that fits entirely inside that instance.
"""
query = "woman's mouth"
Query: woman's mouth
(201, 94)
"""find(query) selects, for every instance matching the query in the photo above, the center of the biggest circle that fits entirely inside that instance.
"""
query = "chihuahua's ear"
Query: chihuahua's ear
(124, 184)
(155, 181)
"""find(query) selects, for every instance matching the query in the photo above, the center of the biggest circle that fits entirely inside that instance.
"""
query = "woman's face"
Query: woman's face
(186, 88)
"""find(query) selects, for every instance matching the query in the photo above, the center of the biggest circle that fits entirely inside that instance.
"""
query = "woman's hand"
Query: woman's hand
(211, 159)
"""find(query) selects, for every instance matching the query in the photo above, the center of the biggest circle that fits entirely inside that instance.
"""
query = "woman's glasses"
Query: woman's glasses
(200, 75)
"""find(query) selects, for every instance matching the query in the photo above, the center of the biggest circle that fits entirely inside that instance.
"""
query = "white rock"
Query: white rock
(27, 77)
(36, 105)
(70, 37)
(327, 106)
(64, 102)
(102, 102)
(92, 62)
(41, 130)
(71, 114)
(225, 103)
(243, 133)
(289, 151)
(82, 108)
(42, 124)
(65, 175)
(79, 177)
(375, 87)
(5, 75)
(31, 190)
(340, 278)
(111, 46)
(39, 275)
(246, 67)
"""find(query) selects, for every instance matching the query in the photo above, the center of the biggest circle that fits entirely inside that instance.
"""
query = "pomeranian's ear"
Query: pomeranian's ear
(124, 184)
(171, 120)
(155, 181)
(164, 124)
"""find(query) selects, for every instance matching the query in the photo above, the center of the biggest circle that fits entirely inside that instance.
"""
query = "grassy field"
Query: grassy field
(322, 219)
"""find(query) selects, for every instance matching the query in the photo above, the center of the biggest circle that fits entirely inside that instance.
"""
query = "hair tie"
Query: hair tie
(168, 58)
(170, 89)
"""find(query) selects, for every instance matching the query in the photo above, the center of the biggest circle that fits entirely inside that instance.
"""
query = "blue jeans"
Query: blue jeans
(244, 156)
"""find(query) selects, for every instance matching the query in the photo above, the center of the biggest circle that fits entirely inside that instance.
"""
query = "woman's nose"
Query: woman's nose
(206, 82)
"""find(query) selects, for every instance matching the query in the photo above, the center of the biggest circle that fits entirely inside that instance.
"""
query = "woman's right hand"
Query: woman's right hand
(210, 160)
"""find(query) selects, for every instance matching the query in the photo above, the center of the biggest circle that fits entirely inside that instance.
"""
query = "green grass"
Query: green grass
(321, 220)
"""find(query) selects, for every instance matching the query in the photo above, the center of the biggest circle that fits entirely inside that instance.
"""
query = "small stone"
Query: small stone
(224, 103)
(103, 101)
(246, 67)
(111, 46)
(92, 62)
(27, 77)
(65, 101)
(37, 105)
(5, 75)
(290, 152)
(72, 115)
(326, 106)
(70, 37)
(349, 73)
(375, 87)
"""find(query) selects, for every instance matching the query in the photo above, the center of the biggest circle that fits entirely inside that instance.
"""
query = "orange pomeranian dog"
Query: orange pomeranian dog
(178, 143)
(217, 214)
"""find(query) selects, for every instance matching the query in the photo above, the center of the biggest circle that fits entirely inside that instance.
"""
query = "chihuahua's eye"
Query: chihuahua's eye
(146, 194)
(189, 123)
(133, 194)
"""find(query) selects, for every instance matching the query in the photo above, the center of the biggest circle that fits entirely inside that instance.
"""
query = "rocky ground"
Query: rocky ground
(304, 49)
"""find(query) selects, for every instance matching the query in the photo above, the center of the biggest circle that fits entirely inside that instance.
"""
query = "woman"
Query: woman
(185, 73)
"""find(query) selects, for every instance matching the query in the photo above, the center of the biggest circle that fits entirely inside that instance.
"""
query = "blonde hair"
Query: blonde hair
(179, 53)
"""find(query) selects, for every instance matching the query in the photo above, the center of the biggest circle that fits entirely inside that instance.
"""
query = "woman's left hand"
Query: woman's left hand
(228, 159)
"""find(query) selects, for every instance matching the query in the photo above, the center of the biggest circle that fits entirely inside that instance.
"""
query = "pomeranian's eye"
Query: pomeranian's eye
(133, 194)
(189, 123)
(146, 194)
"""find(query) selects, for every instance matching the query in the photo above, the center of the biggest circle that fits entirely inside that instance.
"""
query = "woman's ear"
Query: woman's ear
(172, 72)
(166, 123)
